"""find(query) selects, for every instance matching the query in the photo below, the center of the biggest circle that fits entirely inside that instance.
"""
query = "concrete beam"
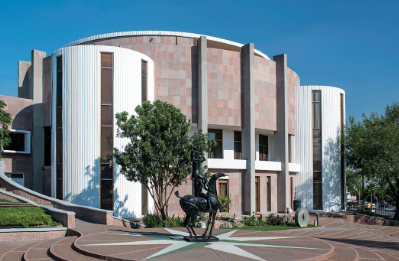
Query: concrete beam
(248, 126)
(281, 136)
(24, 80)
(38, 130)
(203, 87)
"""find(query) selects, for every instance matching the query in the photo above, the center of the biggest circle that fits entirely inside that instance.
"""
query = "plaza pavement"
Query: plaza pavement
(334, 240)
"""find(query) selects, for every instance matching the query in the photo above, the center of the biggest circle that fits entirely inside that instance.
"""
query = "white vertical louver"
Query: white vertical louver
(331, 164)
(82, 119)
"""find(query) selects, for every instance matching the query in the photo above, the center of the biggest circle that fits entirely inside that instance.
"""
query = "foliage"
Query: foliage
(225, 203)
(271, 220)
(158, 154)
(5, 121)
(277, 220)
(254, 221)
(26, 217)
(353, 181)
(9, 201)
(269, 228)
(372, 146)
(154, 221)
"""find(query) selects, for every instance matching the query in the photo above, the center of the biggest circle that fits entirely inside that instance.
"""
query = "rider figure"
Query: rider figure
(200, 182)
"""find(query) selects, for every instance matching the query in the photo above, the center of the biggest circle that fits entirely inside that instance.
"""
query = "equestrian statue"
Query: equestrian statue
(200, 202)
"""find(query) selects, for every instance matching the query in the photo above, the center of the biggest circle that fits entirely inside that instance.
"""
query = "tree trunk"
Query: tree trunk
(164, 217)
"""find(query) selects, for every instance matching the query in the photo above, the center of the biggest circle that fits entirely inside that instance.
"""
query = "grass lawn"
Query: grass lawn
(26, 217)
(268, 228)
(8, 201)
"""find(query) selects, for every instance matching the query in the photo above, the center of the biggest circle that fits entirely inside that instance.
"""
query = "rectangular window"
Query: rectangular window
(107, 131)
(257, 195)
(292, 191)
(17, 142)
(342, 156)
(143, 80)
(317, 152)
(59, 137)
(263, 148)
(223, 187)
(216, 152)
(237, 145)
(269, 194)
(47, 146)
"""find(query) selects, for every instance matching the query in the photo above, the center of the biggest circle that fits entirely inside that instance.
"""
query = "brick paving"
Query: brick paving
(334, 240)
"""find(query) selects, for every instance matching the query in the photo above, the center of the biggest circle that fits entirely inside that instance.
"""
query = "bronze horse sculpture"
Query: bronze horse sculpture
(192, 206)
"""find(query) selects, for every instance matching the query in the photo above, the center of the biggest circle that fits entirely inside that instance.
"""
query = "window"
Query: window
(263, 148)
(224, 187)
(216, 152)
(317, 152)
(20, 142)
(143, 80)
(269, 194)
(47, 146)
(107, 131)
(257, 195)
(342, 156)
(17, 178)
(237, 145)
(292, 191)
(59, 138)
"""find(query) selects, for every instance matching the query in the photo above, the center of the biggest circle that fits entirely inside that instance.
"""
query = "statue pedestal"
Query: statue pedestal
(202, 239)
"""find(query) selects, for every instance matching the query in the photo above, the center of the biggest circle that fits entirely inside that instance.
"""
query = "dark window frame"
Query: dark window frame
(263, 148)
(219, 146)
(59, 135)
(106, 166)
(317, 174)
(237, 145)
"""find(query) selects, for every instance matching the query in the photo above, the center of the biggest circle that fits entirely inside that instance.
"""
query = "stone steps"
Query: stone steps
(63, 250)
(40, 251)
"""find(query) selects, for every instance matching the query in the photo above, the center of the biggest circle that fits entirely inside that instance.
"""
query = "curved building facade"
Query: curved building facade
(253, 106)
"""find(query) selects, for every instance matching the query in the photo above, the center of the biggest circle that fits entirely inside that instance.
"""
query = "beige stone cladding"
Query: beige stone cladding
(46, 90)
(21, 113)
(263, 190)
(185, 189)
(175, 62)
(224, 87)
(265, 93)
(292, 80)
(234, 189)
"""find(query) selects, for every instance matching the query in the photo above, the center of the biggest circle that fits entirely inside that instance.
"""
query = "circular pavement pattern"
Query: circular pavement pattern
(168, 244)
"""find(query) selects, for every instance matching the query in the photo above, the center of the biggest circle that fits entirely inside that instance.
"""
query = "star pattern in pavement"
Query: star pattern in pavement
(177, 244)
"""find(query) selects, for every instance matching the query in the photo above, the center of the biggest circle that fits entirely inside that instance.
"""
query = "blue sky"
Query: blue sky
(353, 45)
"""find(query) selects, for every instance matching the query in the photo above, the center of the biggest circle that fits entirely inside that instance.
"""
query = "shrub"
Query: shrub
(277, 220)
(254, 221)
(225, 203)
(152, 220)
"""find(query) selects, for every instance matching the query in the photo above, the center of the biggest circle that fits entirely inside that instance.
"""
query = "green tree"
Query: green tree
(372, 145)
(353, 181)
(5, 121)
(158, 154)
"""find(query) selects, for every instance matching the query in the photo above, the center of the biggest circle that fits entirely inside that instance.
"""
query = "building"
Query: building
(276, 140)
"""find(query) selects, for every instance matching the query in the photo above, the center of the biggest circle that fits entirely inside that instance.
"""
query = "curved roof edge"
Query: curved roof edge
(161, 33)
(322, 86)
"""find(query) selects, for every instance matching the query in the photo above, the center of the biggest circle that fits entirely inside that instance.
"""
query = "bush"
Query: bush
(152, 220)
(254, 221)
(26, 217)
(277, 220)
(225, 203)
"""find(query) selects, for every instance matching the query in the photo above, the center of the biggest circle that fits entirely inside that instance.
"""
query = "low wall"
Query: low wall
(28, 234)
(371, 220)
(66, 218)
(94, 215)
